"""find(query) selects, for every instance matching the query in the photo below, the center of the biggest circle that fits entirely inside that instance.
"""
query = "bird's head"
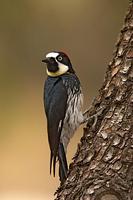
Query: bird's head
(58, 63)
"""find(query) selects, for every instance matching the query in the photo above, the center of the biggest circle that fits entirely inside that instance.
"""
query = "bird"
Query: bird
(63, 102)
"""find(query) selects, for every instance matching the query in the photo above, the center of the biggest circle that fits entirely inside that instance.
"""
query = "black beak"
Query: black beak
(46, 60)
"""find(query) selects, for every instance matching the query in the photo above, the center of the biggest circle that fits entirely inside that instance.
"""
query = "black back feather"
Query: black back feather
(55, 101)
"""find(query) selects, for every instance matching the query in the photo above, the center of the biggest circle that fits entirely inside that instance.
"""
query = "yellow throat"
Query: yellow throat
(62, 70)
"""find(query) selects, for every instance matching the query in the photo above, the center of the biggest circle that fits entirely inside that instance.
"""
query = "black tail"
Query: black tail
(63, 167)
(52, 163)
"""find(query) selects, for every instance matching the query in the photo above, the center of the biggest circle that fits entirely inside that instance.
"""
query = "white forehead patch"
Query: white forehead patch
(52, 54)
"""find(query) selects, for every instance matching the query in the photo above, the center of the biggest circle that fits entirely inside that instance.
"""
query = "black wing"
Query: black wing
(55, 101)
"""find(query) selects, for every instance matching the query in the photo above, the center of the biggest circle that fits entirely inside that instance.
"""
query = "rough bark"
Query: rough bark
(103, 165)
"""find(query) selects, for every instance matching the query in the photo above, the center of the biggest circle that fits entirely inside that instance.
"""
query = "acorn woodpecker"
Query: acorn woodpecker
(63, 101)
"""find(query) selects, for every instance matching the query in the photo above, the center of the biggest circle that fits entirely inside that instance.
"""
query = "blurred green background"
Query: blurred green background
(87, 31)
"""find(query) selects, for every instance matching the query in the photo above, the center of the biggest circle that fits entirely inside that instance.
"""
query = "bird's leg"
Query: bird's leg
(95, 116)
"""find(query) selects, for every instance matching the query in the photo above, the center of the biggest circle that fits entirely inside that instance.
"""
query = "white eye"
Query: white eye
(59, 58)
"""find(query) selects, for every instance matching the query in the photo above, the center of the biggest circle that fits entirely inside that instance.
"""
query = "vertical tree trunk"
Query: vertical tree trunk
(103, 165)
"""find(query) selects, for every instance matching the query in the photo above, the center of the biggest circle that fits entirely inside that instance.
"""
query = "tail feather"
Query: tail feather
(63, 167)
(51, 159)
(52, 163)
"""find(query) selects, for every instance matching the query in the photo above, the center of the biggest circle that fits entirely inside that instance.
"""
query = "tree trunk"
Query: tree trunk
(102, 168)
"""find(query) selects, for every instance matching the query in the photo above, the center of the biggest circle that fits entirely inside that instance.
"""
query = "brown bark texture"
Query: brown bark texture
(103, 165)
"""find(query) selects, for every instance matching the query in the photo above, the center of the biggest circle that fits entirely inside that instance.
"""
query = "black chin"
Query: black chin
(52, 68)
